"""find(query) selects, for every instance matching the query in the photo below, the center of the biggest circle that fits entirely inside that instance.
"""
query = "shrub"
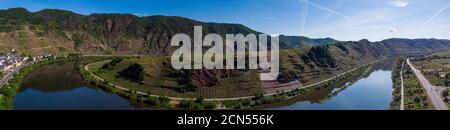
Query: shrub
(134, 72)
(112, 63)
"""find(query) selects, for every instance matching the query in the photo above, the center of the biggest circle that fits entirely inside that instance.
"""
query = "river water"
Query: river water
(371, 92)
(59, 86)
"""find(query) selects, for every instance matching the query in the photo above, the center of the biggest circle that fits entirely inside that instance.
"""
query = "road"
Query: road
(402, 92)
(433, 92)
(221, 99)
(9, 76)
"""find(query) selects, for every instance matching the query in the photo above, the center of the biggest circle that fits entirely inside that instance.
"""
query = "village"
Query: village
(11, 63)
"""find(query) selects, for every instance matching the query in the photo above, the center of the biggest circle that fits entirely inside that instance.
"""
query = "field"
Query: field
(442, 53)
(30, 41)
(291, 60)
(436, 70)
(314, 64)
(157, 81)
(415, 95)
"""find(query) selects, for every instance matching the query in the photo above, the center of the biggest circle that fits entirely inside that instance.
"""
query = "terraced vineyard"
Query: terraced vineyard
(157, 80)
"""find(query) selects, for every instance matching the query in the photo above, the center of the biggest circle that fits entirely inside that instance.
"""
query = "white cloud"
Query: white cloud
(381, 21)
(399, 3)
(141, 14)
(392, 30)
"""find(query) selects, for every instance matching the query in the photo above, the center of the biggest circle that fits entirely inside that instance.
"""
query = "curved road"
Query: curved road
(221, 99)
(433, 92)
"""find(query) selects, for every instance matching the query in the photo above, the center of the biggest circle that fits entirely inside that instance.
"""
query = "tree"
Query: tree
(134, 72)
(445, 93)
(187, 104)
(112, 63)
(287, 76)
(259, 96)
(199, 100)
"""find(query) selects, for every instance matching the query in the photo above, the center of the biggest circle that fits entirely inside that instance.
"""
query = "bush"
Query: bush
(199, 103)
(112, 63)
(287, 76)
(199, 100)
(187, 104)
(134, 72)
(445, 93)
(209, 105)
(258, 96)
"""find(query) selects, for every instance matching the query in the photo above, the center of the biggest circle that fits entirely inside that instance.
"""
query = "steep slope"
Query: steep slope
(59, 31)
(398, 46)
(311, 64)
(52, 31)
(287, 42)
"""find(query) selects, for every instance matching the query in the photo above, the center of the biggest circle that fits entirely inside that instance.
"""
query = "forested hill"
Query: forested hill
(52, 31)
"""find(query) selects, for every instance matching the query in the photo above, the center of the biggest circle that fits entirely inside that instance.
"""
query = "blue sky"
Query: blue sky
(339, 19)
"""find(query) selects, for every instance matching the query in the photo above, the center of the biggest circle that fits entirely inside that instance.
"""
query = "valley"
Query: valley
(126, 58)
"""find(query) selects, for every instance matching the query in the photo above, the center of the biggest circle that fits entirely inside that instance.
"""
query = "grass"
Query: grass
(9, 91)
(246, 84)
(318, 93)
(432, 68)
(131, 95)
(22, 34)
(443, 53)
(415, 95)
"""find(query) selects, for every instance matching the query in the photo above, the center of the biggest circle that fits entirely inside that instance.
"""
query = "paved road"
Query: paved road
(402, 100)
(9, 76)
(222, 99)
(433, 92)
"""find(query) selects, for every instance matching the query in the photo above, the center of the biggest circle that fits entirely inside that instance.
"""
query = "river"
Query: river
(373, 91)
(59, 87)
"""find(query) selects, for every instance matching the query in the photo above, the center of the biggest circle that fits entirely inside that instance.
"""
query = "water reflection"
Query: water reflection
(60, 86)
(54, 78)
(373, 91)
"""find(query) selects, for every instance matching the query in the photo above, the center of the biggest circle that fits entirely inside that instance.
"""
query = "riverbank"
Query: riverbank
(407, 89)
(9, 91)
(321, 92)
(201, 103)
(397, 70)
